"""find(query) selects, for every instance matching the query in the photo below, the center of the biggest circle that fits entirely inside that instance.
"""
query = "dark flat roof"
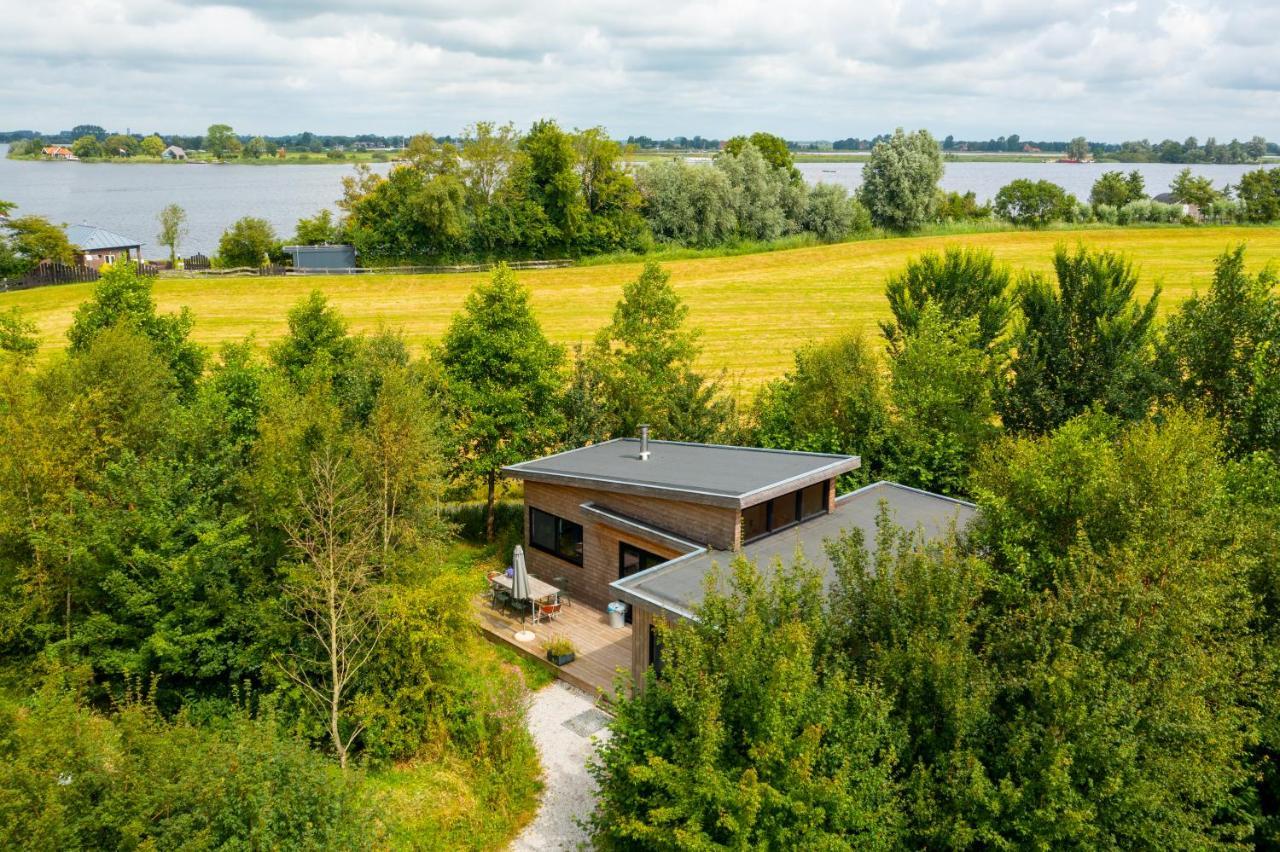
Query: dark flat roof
(699, 473)
(677, 586)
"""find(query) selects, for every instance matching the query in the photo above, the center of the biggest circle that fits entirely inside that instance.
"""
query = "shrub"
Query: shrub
(1034, 203)
(249, 242)
(73, 778)
(831, 214)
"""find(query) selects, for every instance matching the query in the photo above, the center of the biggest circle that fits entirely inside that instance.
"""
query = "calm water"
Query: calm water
(127, 198)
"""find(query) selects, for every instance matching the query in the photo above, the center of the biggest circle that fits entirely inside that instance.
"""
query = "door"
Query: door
(632, 559)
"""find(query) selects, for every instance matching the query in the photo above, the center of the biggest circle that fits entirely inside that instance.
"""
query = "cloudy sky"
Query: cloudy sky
(812, 70)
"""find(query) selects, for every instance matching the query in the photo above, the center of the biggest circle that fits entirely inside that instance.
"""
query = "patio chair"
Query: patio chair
(547, 611)
(562, 586)
(501, 598)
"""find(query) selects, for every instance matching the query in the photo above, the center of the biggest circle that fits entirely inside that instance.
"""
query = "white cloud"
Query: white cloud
(821, 69)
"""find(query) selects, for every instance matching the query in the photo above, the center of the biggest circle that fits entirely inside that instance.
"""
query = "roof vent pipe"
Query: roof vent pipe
(644, 442)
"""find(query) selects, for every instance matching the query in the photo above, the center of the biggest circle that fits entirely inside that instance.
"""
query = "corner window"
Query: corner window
(655, 651)
(781, 512)
(555, 535)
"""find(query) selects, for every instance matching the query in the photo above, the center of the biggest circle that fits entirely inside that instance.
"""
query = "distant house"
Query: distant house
(173, 152)
(1030, 149)
(57, 152)
(96, 246)
(322, 257)
(1189, 210)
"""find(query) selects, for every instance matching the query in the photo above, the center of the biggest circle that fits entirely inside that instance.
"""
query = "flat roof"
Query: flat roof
(677, 586)
(715, 474)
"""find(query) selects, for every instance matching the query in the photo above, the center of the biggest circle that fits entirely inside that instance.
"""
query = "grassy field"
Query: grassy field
(755, 309)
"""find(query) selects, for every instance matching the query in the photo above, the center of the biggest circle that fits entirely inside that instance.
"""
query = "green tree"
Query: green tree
(221, 141)
(833, 400)
(766, 203)
(964, 283)
(320, 229)
(548, 175)
(688, 205)
(1078, 149)
(1117, 189)
(1193, 189)
(773, 148)
(942, 383)
(317, 341)
(249, 241)
(87, 147)
(1259, 193)
(750, 739)
(1221, 349)
(645, 359)
(504, 378)
(900, 180)
(120, 145)
(152, 146)
(256, 148)
(173, 229)
(831, 214)
(1085, 342)
(1034, 203)
(17, 334)
(30, 240)
(609, 193)
(122, 297)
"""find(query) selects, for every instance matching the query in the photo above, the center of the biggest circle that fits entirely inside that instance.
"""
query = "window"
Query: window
(555, 535)
(813, 501)
(655, 651)
(631, 560)
(781, 512)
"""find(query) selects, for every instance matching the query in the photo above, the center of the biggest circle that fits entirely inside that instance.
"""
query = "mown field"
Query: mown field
(755, 309)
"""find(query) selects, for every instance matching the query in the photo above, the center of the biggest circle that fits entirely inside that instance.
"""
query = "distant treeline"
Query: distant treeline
(293, 141)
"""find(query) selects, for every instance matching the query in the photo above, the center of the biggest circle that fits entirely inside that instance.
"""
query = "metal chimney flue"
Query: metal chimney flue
(644, 442)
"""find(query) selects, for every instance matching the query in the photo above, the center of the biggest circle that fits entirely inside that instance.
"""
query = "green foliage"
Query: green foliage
(831, 214)
(317, 341)
(964, 283)
(1193, 189)
(773, 148)
(26, 241)
(1082, 343)
(766, 204)
(900, 180)
(834, 400)
(750, 738)
(221, 141)
(1034, 203)
(641, 367)
(1221, 349)
(173, 228)
(319, 230)
(503, 380)
(152, 146)
(87, 147)
(942, 383)
(17, 334)
(249, 241)
(122, 297)
(75, 779)
(954, 207)
(1259, 194)
(1117, 189)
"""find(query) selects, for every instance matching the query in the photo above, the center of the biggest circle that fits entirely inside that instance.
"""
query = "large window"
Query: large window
(655, 651)
(781, 512)
(555, 535)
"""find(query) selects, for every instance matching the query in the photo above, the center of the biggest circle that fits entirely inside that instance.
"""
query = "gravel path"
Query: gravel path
(566, 727)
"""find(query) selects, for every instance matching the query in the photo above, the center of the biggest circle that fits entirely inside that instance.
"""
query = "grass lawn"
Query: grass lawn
(755, 309)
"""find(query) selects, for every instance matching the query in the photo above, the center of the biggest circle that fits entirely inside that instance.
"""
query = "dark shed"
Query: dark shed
(322, 257)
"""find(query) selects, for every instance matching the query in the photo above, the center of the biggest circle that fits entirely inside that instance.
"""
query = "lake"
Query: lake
(126, 198)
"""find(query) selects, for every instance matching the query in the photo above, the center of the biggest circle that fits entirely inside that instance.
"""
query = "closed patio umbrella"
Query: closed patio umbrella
(519, 576)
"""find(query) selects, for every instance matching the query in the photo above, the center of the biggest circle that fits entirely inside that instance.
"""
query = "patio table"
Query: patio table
(538, 590)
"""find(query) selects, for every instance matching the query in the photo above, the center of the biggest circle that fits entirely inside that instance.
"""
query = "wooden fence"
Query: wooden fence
(276, 269)
(47, 274)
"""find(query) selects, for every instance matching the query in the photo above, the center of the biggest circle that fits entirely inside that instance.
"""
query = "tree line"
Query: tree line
(230, 579)
(1093, 664)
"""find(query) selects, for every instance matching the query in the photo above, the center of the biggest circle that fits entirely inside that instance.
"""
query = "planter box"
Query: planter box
(561, 659)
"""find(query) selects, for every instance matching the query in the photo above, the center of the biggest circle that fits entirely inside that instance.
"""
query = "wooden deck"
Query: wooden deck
(601, 649)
